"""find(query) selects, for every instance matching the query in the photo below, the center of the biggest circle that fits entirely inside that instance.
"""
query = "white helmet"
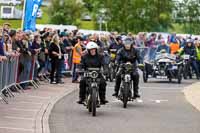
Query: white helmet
(92, 45)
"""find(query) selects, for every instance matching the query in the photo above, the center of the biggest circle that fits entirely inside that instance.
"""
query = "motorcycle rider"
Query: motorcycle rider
(163, 46)
(128, 54)
(118, 44)
(197, 45)
(92, 60)
(189, 49)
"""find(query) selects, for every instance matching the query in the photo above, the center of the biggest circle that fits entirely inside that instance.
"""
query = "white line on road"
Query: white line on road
(20, 129)
(38, 97)
(142, 101)
(139, 100)
(19, 118)
(159, 101)
(156, 88)
(30, 110)
(31, 103)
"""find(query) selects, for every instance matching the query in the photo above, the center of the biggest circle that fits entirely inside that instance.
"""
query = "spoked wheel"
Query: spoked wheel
(179, 75)
(125, 94)
(89, 105)
(94, 102)
(185, 72)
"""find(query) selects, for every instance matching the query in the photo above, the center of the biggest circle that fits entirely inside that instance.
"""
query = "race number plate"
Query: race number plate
(161, 77)
(175, 67)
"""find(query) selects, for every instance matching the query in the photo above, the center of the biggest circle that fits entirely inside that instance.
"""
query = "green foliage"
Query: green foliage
(135, 15)
(65, 11)
(189, 16)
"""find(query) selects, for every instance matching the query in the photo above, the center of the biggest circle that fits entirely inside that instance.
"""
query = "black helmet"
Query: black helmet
(118, 38)
(128, 41)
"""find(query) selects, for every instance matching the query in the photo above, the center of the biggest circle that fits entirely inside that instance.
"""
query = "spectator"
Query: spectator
(56, 55)
(76, 59)
(35, 51)
(151, 43)
(163, 46)
(24, 59)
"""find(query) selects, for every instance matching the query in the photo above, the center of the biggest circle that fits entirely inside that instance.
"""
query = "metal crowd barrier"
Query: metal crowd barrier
(14, 73)
(26, 71)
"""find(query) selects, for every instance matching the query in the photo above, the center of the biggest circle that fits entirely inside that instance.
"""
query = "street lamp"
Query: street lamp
(101, 18)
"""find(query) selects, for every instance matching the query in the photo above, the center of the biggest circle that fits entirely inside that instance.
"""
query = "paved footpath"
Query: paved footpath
(24, 113)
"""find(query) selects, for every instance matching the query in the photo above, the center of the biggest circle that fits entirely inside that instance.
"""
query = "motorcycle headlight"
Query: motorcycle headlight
(94, 74)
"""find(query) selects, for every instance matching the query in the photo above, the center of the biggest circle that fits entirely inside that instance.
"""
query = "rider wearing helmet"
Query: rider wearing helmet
(189, 49)
(128, 54)
(117, 44)
(92, 60)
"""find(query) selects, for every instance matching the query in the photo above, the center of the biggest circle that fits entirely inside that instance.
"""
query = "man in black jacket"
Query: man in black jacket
(56, 56)
(92, 60)
(128, 54)
(189, 49)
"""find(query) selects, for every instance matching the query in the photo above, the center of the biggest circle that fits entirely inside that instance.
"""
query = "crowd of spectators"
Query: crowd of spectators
(52, 50)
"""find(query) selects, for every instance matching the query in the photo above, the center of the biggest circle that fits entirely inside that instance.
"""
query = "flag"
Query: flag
(30, 14)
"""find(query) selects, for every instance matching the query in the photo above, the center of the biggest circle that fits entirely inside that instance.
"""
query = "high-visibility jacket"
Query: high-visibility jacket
(198, 53)
(174, 47)
(77, 50)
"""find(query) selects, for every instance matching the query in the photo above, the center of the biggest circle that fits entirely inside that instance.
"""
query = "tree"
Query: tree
(189, 14)
(135, 15)
(65, 11)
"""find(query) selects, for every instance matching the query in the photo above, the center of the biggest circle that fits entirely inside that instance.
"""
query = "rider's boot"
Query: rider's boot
(102, 98)
(115, 94)
(80, 101)
(117, 86)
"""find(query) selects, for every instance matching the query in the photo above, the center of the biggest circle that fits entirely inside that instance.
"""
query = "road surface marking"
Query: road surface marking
(139, 100)
(30, 110)
(20, 129)
(20, 118)
(31, 103)
(159, 101)
(38, 97)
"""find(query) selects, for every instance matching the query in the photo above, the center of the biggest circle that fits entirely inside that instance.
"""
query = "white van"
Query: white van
(10, 12)
(11, 2)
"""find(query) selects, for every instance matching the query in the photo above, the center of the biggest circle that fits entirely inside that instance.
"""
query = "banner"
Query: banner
(30, 14)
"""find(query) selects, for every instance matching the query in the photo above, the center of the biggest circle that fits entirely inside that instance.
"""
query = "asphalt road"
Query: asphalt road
(161, 109)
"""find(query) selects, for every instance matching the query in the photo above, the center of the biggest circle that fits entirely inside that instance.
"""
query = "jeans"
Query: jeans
(195, 67)
(56, 65)
(74, 72)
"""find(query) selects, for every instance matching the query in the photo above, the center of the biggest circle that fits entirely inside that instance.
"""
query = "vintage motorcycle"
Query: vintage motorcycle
(126, 88)
(92, 96)
(165, 66)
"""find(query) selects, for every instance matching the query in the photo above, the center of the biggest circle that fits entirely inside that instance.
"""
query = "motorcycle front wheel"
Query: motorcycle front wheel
(94, 101)
(125, 94)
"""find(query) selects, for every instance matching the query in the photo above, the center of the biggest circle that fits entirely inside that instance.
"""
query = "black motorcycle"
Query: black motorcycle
(187, 70)
(126, 85)
(92, 96)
